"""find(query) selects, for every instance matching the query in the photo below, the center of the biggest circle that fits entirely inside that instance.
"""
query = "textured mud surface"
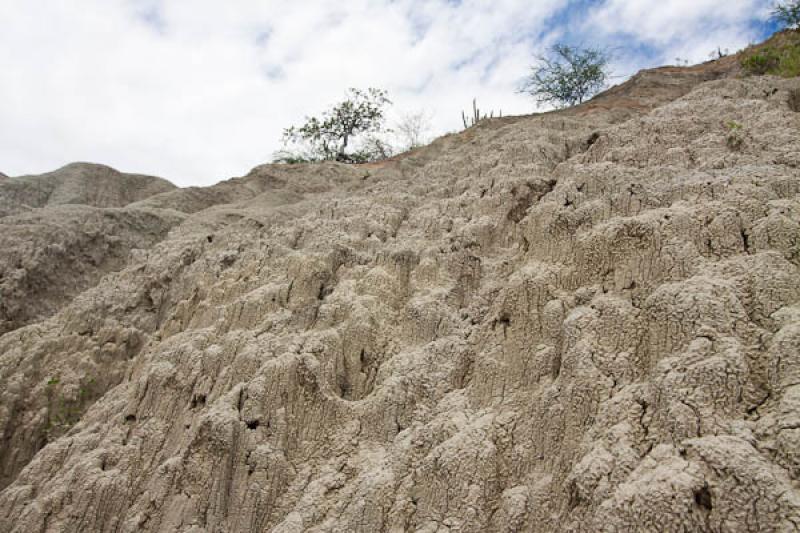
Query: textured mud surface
(581, 321)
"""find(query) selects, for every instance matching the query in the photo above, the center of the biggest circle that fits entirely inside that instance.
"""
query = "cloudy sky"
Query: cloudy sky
(198, 90)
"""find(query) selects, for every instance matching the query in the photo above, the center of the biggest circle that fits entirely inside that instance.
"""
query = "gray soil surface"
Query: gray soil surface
(585, 320)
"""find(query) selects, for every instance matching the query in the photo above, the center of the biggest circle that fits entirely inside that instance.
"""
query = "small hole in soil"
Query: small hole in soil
(324, 292)
(252, 424)
(555, 371)
(198, 400)
(130, 418)
(702, 498)
(503, 320)
(794, 100)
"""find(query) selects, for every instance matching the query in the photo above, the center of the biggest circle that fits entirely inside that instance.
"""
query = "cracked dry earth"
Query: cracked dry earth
(583, 321)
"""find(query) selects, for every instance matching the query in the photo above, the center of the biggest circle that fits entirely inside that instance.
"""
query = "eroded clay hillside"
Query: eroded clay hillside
(62, 231)
(77, 183)
(582, 321)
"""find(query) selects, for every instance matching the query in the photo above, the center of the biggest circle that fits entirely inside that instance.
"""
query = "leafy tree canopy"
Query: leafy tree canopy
(347, 132)
(788, 13)
(568, 75)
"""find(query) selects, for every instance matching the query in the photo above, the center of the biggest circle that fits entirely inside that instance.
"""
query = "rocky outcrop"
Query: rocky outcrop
(581, 321)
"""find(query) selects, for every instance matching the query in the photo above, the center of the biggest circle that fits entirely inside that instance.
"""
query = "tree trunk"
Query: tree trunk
(342, 156)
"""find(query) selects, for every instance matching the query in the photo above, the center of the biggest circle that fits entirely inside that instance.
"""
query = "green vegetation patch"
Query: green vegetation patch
(64, 410)
(735, 137)
(780, 60)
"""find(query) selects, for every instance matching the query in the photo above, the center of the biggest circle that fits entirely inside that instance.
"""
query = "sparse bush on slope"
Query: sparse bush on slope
(779, 60)
(782, 59)
(413, 130)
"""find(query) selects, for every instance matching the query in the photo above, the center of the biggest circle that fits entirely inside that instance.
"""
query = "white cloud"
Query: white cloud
(197, 91)
(688, 29)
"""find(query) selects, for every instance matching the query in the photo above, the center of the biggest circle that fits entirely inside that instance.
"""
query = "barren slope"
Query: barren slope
(583, 321)
(62, 231)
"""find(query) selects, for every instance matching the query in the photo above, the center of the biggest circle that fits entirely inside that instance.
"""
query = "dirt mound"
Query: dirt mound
(77, 183)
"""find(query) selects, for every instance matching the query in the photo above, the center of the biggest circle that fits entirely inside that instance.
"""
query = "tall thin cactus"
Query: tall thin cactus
(476, 115)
